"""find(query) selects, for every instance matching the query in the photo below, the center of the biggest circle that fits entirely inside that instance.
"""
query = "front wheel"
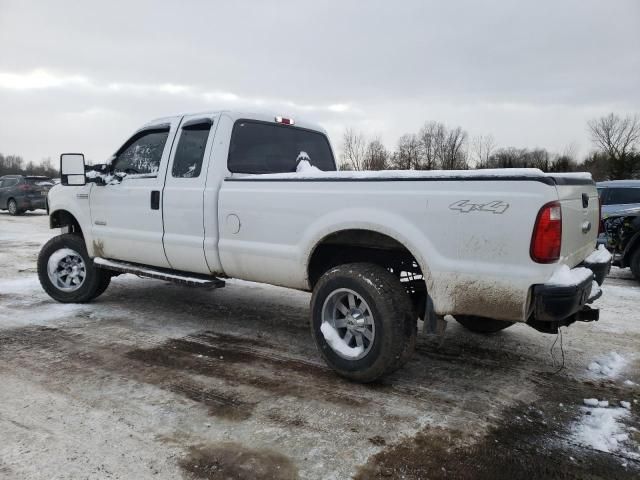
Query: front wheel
(481, 324)
(12, 207)
(67, 273)
(362, 321)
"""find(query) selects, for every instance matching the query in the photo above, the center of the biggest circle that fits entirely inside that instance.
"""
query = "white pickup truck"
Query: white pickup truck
(198, 198)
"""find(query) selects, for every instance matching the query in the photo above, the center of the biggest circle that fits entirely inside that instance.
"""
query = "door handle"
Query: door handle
(155, 200)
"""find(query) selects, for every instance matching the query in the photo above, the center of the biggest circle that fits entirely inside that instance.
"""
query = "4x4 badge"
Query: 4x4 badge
(464, 206)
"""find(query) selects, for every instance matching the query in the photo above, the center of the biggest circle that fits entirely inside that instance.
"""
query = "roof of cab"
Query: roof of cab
(619, 183)
(238, 115)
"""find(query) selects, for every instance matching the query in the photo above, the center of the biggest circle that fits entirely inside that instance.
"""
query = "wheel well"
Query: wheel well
(62, 218)
(349, 246)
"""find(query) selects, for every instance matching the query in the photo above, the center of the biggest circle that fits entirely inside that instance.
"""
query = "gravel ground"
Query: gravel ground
(154, 380)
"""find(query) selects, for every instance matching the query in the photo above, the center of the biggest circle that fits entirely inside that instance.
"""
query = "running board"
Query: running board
(183, 278)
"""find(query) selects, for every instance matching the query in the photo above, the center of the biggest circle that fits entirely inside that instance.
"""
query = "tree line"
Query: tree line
(435, 146)
(15, 165)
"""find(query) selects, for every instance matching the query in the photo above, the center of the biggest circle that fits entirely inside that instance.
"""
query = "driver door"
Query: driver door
(126, 215)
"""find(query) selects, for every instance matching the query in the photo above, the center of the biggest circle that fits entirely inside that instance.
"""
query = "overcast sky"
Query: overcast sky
(81, 76)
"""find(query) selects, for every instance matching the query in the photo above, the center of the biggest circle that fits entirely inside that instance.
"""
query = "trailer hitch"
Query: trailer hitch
(587, 314)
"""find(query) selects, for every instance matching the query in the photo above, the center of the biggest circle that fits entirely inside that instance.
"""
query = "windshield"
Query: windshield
(39, 181)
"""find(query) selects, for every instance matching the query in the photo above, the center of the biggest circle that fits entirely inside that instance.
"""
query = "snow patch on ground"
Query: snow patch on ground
(332, 337)
(601, 428)
(609, 365)
(20, 286)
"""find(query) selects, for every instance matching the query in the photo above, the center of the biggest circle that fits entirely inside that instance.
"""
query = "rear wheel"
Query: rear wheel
(635, 264)
(67, 273)
(363, 321)
(482, 324)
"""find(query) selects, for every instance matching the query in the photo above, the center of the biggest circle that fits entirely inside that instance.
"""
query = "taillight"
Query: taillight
(547, 234)
(24, 187)
(600, 222)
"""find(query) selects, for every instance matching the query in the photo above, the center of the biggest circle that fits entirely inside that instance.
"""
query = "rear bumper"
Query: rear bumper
(600, 270)
(560, 305)
(555, 303)
(31, 203)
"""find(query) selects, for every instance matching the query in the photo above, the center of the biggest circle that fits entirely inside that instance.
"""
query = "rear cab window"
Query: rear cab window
(262, 147)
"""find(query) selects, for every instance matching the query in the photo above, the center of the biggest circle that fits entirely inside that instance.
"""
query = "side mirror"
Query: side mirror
(72, 169)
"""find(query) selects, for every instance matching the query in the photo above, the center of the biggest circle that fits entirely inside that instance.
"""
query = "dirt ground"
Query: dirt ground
(154, 380)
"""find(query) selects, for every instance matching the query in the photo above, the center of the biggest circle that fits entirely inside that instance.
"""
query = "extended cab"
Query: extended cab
(198, 198)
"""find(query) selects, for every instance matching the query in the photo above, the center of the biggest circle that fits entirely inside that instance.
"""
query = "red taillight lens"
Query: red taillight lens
(24, 187)
(547, 234)
(600, 222)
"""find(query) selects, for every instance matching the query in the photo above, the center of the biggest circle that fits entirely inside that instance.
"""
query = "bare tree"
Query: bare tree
(431, 139)
(617, 137)
(407, 157)
(353, 150)
(482, 147)
(376, 156)
(454, 155)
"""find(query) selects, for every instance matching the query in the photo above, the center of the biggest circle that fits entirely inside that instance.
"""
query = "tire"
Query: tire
(88, 281)
(105, 280)
(391, 320)
(635, 264)
(12, 207)
(481, 324)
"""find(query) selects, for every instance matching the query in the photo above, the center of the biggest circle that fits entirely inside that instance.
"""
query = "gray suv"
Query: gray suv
(618, 196)
(19, 193)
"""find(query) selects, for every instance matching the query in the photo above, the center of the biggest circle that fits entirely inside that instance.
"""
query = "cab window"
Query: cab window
(142, 153)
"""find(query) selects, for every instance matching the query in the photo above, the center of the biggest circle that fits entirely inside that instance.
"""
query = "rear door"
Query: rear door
(183, 197)
(580, 218)
(6, 190)
(127, 216)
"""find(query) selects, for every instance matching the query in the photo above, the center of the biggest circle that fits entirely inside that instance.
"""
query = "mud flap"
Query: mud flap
(433, 324)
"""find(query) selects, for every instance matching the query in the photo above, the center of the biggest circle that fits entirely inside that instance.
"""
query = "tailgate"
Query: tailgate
(580, 219)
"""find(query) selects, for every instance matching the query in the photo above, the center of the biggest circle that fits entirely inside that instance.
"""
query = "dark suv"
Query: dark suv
(19, 193)
(617, 196)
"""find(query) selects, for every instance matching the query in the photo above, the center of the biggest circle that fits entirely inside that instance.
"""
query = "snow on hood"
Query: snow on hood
(107, 178)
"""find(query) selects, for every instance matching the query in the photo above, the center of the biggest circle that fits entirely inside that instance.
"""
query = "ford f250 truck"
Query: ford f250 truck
(195, 199)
